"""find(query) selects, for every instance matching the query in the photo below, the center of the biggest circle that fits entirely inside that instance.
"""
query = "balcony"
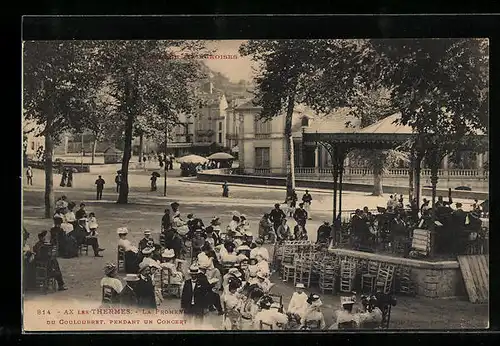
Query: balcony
(231, 136)
(262, 135)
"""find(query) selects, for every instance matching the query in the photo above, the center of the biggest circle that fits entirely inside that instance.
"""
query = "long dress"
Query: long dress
(232, 316)
(249, 310)
(145, 292)
(176, 277)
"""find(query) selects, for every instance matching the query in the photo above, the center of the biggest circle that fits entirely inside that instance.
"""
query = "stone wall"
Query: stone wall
(431, 279)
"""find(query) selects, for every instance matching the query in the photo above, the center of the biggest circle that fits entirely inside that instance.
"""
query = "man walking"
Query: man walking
(100, 186)
(306, 199)
(118, 181)
(29, 176)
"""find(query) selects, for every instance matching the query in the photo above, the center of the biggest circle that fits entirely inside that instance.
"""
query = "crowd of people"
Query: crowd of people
(224, 270)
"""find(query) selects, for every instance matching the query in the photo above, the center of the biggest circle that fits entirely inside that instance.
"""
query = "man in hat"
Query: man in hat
(194, 295)
(166, 221)
(57, 235)
(81, 213)
(259, 250)
(225, 189)
(276, 216)
(41, 252)
(174, 241)
(266, 228)
(147, 241)
(118, 181)
(424, 208)
(244, 224)
(324, 232)
(88, 238)
(144, 290)
(312, 316)
(269, 316)
(100, 187)
(298, 302)
(300, 215)
(128, 296)
(214, 278)
(248, 240)
(307, 199)
(61, 205)
(300, 232)
(29, 175)
(212, 236)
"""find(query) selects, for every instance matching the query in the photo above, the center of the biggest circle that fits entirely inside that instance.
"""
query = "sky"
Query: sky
(234, 69)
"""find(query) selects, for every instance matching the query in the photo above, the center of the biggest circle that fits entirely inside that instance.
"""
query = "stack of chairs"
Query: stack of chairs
(369, 277)
(328, 272)
(385, 277)
(347, 275)
(404, 283)
(303, 268)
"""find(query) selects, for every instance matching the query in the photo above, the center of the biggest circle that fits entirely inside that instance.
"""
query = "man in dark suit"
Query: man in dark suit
(195, 295)
(458, 221)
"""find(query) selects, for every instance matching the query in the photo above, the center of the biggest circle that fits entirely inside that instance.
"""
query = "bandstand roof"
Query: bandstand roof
(380, 135)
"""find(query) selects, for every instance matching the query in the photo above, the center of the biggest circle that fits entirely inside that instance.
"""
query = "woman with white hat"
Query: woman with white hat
(313, 317)
(232, 305)
(169, 267)
(260, 250)
(345, 317)
(269, 316)
(298, 302)
(128, 296)
(147, 258)
(110, 278)
(250, 308)
(130, 251)
(264, 282)
(262, 265)
(214, 278)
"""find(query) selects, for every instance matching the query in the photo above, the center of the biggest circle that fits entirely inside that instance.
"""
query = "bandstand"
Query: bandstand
(431, 278)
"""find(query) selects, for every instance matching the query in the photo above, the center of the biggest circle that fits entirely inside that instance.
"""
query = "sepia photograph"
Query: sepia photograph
(255, 185)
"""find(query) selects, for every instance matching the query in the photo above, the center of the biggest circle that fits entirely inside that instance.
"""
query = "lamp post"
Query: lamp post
(165, 163)
(82, 153)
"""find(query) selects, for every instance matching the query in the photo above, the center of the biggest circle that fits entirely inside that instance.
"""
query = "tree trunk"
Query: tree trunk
(411, 188)
(49, 177)
(127, 150)
(290, 171)
(141, 145)
(418, 189)
(377, 184)
(94, 145)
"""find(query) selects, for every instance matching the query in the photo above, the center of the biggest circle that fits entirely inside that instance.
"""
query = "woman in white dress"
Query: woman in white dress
(232, 304)
(313, 318)
(169, 267)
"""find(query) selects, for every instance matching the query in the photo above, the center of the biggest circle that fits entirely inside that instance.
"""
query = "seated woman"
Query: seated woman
(300, 232)
(228, 253)
(130, 251)
(250, 308)
(345, 317)
(232, 304)
(112, 281)
(262, 265)
(169, 267)
(264, 283)
(70, 216)
(313, 317)
(371, 316)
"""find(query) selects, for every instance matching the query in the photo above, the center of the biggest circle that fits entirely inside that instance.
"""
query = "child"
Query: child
(92, 224)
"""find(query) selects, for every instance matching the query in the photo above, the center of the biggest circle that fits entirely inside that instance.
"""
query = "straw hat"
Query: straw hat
(234, 271)
(243, 248)
(346, 300)
(300, 285)
(249, 233)
(147, 250)
(194, 269)
(168, 253)
(143, 265)
(237, 214)
(109, 268)
(122, 230)
(131, 277)
(147, 232)
(241, 257)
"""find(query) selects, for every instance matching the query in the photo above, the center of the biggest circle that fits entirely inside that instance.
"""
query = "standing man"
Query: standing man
(29, 176)
(307, 199)
(300, 215)
(276, 216)
(194, 295)
(225, 189)
(100, 186)
(118, 181)
(171, 162)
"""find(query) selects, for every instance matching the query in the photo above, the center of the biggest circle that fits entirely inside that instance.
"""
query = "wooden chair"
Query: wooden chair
(347, 275)
(264, 324)
(120, 260)
(368, 279)
(83, 247)
(277, 299)
(169, 289)
(42, 278)
(347, 325)
(109, 295)
(288, 272)
(385, 277)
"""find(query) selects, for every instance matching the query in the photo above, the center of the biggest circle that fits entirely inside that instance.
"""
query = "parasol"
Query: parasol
(156, 174)
(192, 159)
(221, 156)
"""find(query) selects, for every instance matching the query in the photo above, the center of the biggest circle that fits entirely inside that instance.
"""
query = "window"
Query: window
(305, 121)
(262, 128)
(33, 145)
(220, 137)
(261, 157)
(220, 126)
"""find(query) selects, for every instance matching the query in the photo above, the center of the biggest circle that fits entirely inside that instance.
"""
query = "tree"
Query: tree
(56, 79)
(440, 86)
(148, 76)
(285, 69)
